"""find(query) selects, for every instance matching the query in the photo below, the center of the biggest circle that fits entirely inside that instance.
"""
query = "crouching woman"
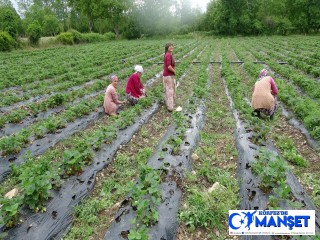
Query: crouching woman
(111, 102)
(264, 97)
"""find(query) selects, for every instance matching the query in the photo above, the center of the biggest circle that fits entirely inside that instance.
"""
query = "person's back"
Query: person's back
(262, 97)
(134, 86)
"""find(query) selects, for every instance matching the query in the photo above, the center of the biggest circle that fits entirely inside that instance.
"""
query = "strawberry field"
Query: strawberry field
(77, 173)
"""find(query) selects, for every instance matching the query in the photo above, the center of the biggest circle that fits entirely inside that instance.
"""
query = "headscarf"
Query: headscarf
(263, 73)
(113, 77)
(138, 68)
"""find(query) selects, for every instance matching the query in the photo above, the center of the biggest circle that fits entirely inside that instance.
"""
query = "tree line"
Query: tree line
(257, 17)
(134, 19)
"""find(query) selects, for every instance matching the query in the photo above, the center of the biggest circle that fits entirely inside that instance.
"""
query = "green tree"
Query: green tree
(10, 21)
(114, 12)
(51, 25)
(156, 17)
(6, 41)
(34, 32)
(86, 8)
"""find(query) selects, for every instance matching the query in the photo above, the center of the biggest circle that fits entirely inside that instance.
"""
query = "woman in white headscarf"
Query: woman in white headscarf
(134, 88)
(264, 97)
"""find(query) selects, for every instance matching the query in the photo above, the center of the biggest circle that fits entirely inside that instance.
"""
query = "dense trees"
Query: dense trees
(9, 20)
(133, 19)
(262, 16)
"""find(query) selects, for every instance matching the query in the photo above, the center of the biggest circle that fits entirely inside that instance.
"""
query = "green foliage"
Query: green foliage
(271, 170)
(36, 181)
(9, 21)
(10, 145)
(16, 116)
(56, 100)
(77, 36)
(93, 37)
(73, 162)
(205, 209)
(312, 122)
(34, 32)
(7, 43)
(9, 211)
(146, 197)
(65, 38)
(76, 158)
(51, 25)
(175, 143)
(109, 36)
(290, 153)
(138, 234)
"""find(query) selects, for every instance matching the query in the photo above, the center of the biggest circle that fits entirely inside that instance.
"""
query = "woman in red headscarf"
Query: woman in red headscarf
(264, 97)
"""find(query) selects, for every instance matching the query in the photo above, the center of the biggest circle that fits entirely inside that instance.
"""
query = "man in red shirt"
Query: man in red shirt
(134, 88)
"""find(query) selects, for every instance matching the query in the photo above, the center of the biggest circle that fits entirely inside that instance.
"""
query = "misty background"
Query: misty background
(147, 18)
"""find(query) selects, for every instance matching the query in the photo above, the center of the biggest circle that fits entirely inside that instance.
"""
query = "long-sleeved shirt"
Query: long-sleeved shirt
(110, 100)
(263, 93)
(134, 86)
(167, 61)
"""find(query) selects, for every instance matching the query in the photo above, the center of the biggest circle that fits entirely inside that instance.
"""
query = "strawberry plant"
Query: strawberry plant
(10, 145)
(146, 197)
(72, 162)
(175, 142)
(271, 170)
(36, 183)
(40, 131)
(9, 211)
(290, 153)
(17, 115)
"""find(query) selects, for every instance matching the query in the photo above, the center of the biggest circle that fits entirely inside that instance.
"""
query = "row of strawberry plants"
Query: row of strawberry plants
(303, 166)
(13, 144)
(43, 104)
(203, 212)
(40, 128)
(85, 144)
(65, 58)
(295, 60)
(305, 108)
(145, 195)
(125, 166)
(288, 149)
(302, 60)
(270, 168)
(75, 81)
(58, 99)
(302, 45)
(151, 73)
(74, 77)
(39, 175)
(310, 86)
